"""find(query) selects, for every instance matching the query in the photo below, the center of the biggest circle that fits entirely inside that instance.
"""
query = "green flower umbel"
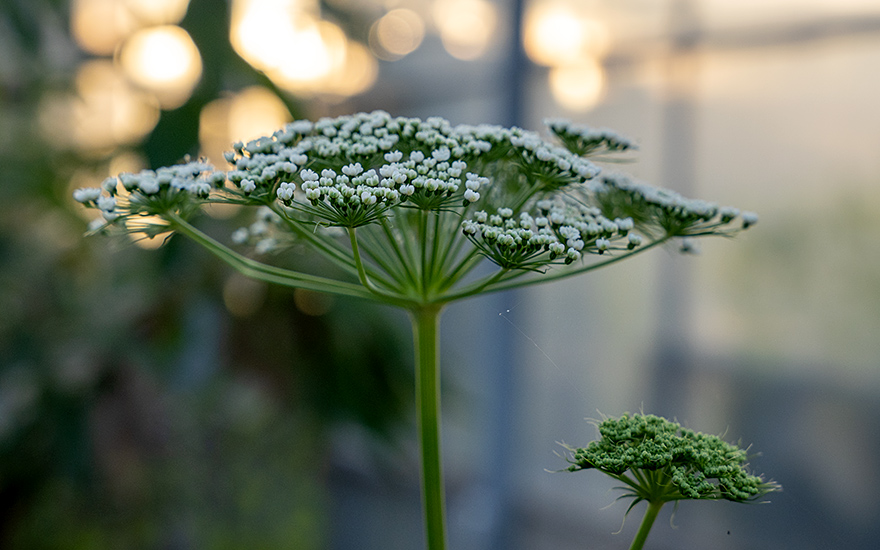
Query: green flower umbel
(659, 461)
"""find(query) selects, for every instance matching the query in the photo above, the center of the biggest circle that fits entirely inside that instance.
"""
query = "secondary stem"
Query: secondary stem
(264, 272)
(647, 522)
(365, 280)
(426, 334)
(570, 272)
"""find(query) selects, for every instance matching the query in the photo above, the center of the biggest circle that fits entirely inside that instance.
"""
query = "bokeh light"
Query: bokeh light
(105, 111)
(396, 34)
(357, 74)
(255, 112)
(252, 112)
(163, 60)
(124, 161)
(561, 35)
(242, 295)
(158, 12)
(313, 304)
(99, 26)
(558, 33)
(274, 38)
(304, 73)
(466, 26)
(297, 50)
(214, 136)
(270, 34)
(578, 86)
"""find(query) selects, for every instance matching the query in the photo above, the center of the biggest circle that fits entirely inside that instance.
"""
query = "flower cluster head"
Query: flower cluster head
(377, 194)
(664, 211)
(558, 231)
(586, 140)
(660, 461)
(180, 188)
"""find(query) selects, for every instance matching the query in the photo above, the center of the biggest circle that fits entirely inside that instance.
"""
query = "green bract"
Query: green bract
(404, 211)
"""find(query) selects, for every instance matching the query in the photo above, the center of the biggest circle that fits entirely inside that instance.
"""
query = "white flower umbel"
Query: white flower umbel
(406, 209)
(585, 140)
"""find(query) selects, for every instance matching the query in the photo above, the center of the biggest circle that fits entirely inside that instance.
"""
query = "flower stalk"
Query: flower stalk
(426, 337)
(647, 522)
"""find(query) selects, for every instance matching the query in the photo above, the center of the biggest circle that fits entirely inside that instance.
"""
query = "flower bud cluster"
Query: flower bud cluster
(653, 207)
(553, 164)
(547, 163)
(152, 192)
(559, 230)
(351, 171)
(585, 140)
(350, 164)
(438, 153)
(350, 199)
(402, 160)
(266, 233)
(698, 466)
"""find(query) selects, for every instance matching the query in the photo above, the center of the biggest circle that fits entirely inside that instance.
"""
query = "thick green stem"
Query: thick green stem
(426, 335)
(647, 522)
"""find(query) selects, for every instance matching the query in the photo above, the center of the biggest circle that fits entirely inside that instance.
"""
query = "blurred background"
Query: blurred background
(152, 398)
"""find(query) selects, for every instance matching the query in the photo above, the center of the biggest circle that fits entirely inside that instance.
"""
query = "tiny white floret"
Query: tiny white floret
(248, 185)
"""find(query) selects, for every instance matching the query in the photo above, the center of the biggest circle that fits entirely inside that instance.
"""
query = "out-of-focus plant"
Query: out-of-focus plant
(108, 427)
(402, 211)
(658, 461)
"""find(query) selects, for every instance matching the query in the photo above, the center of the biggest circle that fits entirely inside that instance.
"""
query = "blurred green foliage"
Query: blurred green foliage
(135, 410)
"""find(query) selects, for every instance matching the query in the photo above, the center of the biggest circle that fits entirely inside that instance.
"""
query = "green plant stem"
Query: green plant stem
(650, 515)
(382, 253)
(563, 273)
(426, 334)
(451, 246)
(402, 260)
(328, 248)
(423, 261)
(391, 299)
(267, 273)
(434, 239)
(476, 287)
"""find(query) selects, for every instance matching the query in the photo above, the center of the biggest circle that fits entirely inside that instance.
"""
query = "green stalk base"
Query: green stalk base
(647, 523)
(426, 335)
